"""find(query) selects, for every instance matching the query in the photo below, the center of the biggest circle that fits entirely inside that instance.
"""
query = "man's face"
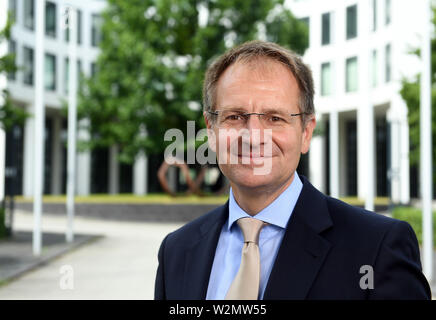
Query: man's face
(258, 87)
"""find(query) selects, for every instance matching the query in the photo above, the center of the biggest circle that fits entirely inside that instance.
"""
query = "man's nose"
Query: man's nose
(254, 122)
(255, 129)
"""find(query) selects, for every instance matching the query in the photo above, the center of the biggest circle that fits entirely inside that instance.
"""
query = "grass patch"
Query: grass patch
(152, 198)
(355, 201)
(414, 217)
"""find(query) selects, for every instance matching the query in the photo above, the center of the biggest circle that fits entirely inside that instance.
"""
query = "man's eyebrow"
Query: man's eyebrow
(233, 108)
(263, 110)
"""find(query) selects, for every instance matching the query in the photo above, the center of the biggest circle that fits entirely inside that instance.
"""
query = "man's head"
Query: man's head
(261, 78)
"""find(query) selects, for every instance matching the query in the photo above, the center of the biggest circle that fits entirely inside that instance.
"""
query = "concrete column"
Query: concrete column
(395, 146)
(140, 175)
(404, 162)
(56, 177)
(83, 172)
(114, 170)
(28, 156)
(334, 153)
(316, 160)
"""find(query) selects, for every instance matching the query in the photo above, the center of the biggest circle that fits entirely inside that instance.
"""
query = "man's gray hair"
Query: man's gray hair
(254, 50)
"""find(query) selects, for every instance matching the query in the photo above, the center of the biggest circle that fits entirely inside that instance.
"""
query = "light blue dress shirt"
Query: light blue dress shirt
(228, 252)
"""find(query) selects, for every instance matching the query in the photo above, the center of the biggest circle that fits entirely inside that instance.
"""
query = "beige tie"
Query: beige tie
(245, 286)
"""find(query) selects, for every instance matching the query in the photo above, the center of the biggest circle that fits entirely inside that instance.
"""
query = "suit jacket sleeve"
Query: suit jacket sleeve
(397, 269)
(159, 287)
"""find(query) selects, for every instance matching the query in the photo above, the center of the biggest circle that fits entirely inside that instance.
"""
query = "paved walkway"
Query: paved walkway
(120, 265)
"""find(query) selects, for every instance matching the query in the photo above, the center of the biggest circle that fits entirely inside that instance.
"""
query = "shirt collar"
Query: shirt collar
(277, 212)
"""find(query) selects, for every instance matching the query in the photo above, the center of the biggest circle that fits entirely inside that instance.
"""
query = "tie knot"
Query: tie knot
(250, 229)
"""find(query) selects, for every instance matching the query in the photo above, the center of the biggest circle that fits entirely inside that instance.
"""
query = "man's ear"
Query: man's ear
(211, 137)
(206, 120)
(307, 134)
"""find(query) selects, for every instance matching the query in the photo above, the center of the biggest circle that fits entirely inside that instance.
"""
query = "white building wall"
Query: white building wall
(402, 37)
(24, 94)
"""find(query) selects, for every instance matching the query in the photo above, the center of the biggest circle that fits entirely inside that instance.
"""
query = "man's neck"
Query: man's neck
(252, 201)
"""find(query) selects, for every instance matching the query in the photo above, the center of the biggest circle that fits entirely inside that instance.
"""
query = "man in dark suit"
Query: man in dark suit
(278, 237)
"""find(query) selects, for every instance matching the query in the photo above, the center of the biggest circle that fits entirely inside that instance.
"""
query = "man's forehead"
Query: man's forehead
(258, 67)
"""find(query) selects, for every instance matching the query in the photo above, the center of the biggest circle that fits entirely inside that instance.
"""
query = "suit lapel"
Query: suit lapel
(199, 258)
(303, 249)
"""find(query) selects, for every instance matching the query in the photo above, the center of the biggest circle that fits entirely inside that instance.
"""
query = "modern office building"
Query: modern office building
(97, 171)
(359, 52)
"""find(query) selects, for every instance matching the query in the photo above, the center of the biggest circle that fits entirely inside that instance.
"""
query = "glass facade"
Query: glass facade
(28, 65)
(326, 79)
(50, 72)
(374, 68)
(388, 63)
(50, 19)
(13, 9)
(12, 49)
(351, 75)
(79, 29)
(387, 12)
(351, 22)
(95, 30)
(326, 28)
(29, 14)
(67, 73)
(374, 15)
(306, 21)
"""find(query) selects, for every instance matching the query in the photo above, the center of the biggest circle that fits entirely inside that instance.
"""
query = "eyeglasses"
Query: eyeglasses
(269, 120)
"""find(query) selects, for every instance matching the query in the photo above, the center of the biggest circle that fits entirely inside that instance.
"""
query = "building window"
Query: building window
(29, 14)
(306, 21)
(374, 67)
(12, 49)
(326, 29)
(50, 72)
(28, 66)
(50, 19)
(67, 73)
(93, 69)
(352, 22)
(387, 12)
(79, 29)
(351, 76)
(326, 79)
(95, 30)
(374, 15)
(13, 9)
(388, 67)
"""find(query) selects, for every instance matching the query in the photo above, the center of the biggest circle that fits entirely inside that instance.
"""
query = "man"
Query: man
(278, 237)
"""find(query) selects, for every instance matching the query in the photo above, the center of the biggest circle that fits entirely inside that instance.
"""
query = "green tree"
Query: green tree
(10, 114)
(153, 57)
(410, 92)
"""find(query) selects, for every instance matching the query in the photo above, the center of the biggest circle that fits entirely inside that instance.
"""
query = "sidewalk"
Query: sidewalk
(16, 256)
(120, 264)
(115, 260)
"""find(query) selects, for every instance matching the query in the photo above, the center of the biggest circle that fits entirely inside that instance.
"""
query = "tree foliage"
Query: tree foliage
(153, 57)
(410, 92)
(10, 114)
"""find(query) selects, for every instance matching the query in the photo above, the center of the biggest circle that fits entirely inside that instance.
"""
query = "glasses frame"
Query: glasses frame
(248, 114)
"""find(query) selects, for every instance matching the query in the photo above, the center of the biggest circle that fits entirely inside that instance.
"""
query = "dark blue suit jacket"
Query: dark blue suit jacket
(326, 243)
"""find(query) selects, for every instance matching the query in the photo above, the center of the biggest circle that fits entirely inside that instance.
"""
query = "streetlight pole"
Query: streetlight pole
(72, 121)
(39, 126)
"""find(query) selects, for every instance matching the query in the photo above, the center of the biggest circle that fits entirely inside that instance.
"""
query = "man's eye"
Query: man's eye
(234, 117)
(275, 119)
